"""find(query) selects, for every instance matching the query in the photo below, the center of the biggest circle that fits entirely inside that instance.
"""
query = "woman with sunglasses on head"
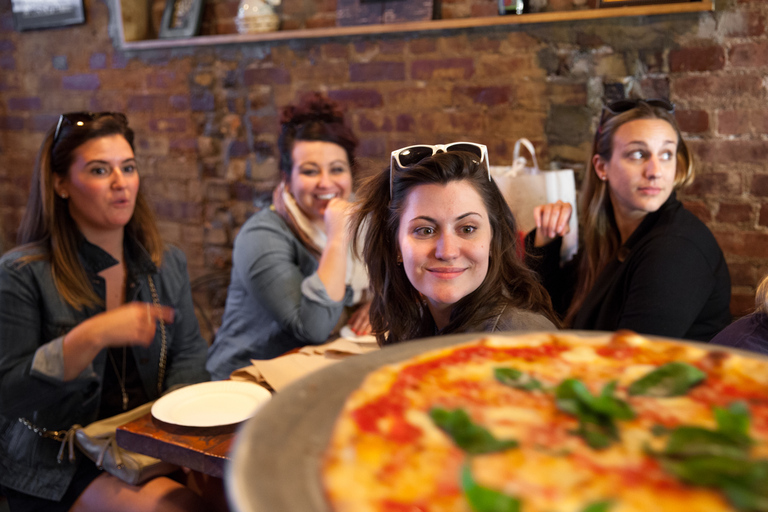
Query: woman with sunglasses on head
(441, 249)
(646, 263)
(96, 318)
(295, 281)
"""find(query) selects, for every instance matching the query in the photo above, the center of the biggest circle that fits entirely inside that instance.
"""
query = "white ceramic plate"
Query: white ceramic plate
(210, 404)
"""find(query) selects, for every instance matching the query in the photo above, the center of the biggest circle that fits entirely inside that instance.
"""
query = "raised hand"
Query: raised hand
(551, 222)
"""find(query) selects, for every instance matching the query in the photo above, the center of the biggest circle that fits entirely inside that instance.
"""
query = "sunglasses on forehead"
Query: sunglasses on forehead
(81, 118)
(412, 155)
(619, 106)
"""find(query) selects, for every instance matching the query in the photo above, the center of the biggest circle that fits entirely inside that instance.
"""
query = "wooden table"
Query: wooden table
(207, 454)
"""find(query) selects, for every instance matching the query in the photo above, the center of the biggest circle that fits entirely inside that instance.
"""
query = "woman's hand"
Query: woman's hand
(130, 324)
(360, 321)
(336, 217)
(551, 221)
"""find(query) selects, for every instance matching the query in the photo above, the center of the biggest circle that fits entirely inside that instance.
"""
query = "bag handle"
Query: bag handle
(516, 154)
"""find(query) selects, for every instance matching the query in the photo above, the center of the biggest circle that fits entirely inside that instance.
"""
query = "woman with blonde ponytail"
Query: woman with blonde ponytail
(645, 262)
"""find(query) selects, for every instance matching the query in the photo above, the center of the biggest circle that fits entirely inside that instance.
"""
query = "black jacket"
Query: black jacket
(669, 279)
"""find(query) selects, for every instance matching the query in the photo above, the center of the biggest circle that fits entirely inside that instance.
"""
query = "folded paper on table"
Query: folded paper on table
(525, 187)
(281, 371)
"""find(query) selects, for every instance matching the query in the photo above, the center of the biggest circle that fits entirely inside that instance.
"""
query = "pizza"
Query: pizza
(555, 422)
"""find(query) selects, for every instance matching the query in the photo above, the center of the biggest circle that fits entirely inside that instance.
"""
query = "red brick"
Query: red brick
(693, 121)
(489, 96)
(493, 66)
(270, 76)
(330, 73)
(743, 243)
(763, 215)
(734, 213)
(172, 124)
(731, 151)
(709, 58)
(742, 303)
(715, 184)
(432, 97)
(335, 51)
(389, 47)
(485, 44)
(321, 21)
(371, 147)
(82, 82)
(733, 122)
(376, 71)
(655, 87)
(698, 87)
(759, 185)
(742, 274)
(461, 68)
(27, 103)
(749, 55)
(699, 209)
(405, 123)
(418, 46)
(484, 9)
(357, 98)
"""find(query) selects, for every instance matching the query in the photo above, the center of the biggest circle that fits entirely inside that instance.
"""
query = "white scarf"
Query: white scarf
(357, 275)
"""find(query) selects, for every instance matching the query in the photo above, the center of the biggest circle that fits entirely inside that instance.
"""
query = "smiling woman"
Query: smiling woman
(295, 280)
(441, 250)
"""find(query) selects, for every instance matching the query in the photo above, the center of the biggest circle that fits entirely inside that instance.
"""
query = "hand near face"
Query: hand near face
(551, 222)
(336, 217)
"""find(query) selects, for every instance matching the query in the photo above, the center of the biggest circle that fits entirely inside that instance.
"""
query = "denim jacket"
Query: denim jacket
(33, 321)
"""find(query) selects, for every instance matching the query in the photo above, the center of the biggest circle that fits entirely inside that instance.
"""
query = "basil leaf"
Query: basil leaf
(598, 506)
(671, 379)
(611, 406)
(746, 499)
(468, 436)
(595, 414)
(516, 379)
(708, 470)
(734, 421)
(483, 499)
(693, 441)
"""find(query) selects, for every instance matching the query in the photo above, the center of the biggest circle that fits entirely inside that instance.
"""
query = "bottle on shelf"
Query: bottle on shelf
(514, 7)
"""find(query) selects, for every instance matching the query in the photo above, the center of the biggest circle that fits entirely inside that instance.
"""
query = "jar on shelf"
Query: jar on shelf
(254, 16)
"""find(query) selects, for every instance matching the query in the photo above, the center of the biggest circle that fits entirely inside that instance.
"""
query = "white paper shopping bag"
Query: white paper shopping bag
(525, 187)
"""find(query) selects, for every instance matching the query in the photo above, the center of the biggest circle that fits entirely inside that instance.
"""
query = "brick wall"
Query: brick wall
(206, 118)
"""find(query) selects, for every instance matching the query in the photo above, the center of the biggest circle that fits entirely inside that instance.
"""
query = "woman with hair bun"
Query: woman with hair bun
(294, 276)
(749, 332)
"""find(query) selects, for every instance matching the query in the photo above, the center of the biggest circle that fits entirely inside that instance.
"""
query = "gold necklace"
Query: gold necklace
(120, 380)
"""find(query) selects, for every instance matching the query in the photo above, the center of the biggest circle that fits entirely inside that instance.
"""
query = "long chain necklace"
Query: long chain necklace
(120, 379)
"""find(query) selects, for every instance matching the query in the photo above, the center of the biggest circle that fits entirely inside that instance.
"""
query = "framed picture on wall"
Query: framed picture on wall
(181, 18)
(34, 14)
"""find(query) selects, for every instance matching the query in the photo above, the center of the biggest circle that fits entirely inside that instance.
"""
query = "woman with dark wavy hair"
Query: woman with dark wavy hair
(294, 279)
(441, 249)
(646, 263)
(96, 318)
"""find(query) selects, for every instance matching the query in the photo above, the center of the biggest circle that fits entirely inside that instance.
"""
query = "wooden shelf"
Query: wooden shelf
(421, 26)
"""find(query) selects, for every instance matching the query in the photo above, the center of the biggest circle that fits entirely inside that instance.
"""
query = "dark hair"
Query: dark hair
(397, 306)
(314, 118)
(47, 221)
(600, 232)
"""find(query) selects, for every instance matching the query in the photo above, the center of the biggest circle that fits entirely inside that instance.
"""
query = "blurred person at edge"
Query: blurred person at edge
(441, 249)
(751, 331)
(295, 281)
(646, 263)
(76, 304)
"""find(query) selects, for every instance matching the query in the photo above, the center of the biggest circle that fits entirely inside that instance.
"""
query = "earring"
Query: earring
(603, 177)
(64, 195)
(399, 259)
